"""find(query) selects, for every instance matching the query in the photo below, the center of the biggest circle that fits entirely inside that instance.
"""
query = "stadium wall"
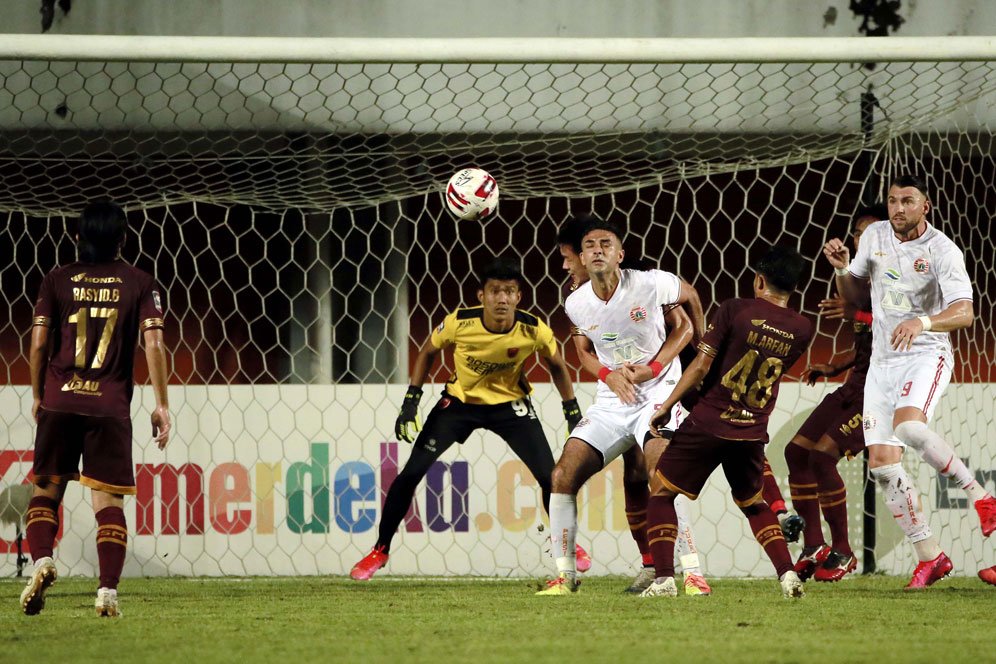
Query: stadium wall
(289, 480)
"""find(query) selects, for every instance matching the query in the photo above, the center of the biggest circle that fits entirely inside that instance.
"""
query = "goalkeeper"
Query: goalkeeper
(488, 390)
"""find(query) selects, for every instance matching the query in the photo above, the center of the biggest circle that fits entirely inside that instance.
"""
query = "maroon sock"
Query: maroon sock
(662, 531)
(637, 494)
(833, 499)
(772, 494)
(112, 543)
(769, 535)
(805, 500)
(42, 525)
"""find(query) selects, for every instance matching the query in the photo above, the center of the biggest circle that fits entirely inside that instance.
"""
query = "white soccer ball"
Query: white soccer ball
(472, 194)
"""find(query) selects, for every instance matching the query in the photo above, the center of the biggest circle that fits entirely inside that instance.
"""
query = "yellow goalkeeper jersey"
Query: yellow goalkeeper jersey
(489, 364)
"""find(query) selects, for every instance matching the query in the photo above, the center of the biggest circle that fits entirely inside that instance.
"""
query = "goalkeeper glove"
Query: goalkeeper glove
(407, 426)
(572, 413)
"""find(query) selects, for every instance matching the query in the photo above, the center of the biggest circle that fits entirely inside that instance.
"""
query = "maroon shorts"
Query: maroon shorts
(694, 453)
(838, 416)
(104, 443)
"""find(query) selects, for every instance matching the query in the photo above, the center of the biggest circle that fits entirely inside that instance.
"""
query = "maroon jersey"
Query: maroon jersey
(752, 342)
(95, 312)
(862, 354)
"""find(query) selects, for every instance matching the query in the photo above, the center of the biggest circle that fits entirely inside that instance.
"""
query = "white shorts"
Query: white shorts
(918, 383)
(612, 428)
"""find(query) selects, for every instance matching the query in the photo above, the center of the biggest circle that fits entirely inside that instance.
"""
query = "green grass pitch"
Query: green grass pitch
(302, 619)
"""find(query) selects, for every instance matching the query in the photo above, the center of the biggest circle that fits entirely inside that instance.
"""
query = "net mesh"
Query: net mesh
(293, 215)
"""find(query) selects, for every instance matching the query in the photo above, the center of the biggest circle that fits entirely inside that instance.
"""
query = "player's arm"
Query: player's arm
(689, 299)
(561, 377)
(690, 379)
(816, 371)
(407, 426)
(960, 314)
(680, 332)
(155, 357)
(618, 381)
(38, 360)
(851, 288)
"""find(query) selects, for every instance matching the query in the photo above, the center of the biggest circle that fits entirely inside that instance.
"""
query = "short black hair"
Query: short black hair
(877, 210)
(101, 231)
(596, 224)
(501, 269)
(911, 180)
(573, 231)
(782, 266)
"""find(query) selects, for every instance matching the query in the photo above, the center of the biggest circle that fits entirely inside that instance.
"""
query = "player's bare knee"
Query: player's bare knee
(884, 455)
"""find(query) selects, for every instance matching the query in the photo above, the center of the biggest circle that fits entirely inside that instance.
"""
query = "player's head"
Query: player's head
(601, 247)
(864, 216)
(569, 243)
(908, 203)
(500, 291)
(780, 270)
(101, 232)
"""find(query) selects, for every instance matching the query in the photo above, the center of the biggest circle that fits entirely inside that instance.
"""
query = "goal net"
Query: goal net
(286, 193)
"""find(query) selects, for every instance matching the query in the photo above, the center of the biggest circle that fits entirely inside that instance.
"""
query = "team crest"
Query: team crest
(156, 301)
(444, 402)
(512, 352)
(638, 314)
(921, 266)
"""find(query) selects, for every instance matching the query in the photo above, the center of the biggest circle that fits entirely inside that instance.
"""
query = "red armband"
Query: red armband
(863, 317)
(603, 373)
(656, 367)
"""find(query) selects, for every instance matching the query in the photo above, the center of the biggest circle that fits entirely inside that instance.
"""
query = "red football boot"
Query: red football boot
(808, 562)
(930, 572)
(836, 567)
(366, 568)
(583, 559)
(986, 509)
(988, 575)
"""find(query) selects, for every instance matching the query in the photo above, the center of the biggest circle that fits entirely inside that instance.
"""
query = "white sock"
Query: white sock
(938, 453)
(688, 555)
(563, 531)
(903, 502)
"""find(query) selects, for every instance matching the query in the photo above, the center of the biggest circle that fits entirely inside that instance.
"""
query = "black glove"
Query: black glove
(572, 413)
(407, 426)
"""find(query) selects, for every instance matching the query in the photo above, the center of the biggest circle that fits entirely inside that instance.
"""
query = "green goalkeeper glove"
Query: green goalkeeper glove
(407, 426)
(572, 413)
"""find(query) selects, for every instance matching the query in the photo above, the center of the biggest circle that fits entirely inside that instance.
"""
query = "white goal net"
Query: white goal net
(287, 196)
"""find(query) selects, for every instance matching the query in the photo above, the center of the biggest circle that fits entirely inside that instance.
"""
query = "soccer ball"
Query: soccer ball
(472, 194)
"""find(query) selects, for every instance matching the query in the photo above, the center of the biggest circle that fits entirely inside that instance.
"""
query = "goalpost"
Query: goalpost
(286, 193)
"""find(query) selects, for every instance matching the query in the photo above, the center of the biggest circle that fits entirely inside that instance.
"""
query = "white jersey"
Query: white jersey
(630, 326)
(920, 277)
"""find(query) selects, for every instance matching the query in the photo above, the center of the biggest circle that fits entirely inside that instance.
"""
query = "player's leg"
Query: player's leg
(58, 447)
(109, 473)
(743, 465)
(885, 453)
(449, 422)
(577, 463)
(636, 491)
(686, 550)
(683, 468)
(792, 524)
(520, 428)
(922, 387)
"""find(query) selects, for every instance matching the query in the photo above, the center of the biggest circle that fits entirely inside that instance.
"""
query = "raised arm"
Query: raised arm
(852, 289)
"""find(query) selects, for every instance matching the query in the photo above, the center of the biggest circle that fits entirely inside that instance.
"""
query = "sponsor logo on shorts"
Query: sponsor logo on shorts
(921, 266)
(512, 352)
(868, 422)
(892, 274)
(609, 336)
(638, 314)
(583, 423)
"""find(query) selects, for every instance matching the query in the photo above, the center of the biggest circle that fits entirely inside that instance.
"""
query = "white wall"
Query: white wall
(479, 18)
